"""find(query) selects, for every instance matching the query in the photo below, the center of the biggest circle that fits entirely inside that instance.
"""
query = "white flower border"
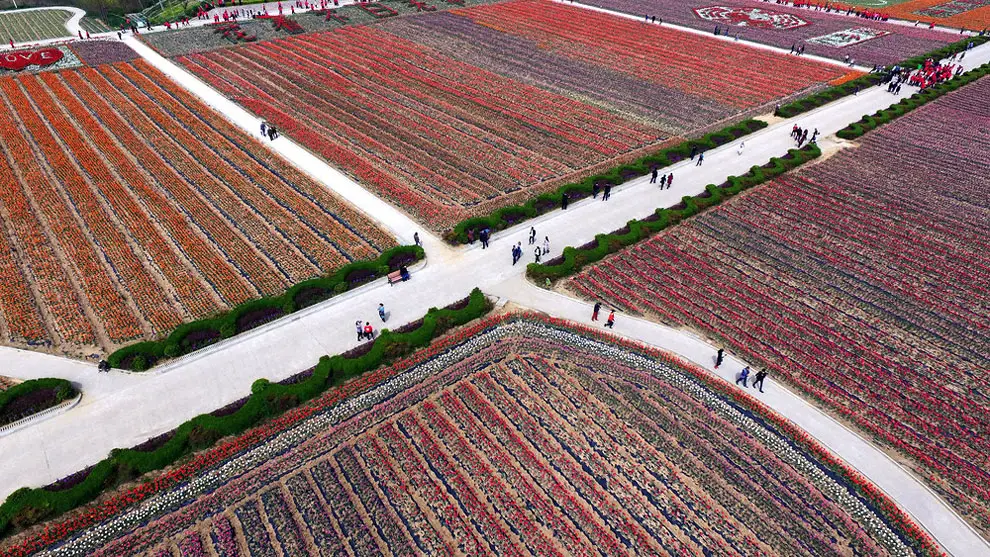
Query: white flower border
(171, 500)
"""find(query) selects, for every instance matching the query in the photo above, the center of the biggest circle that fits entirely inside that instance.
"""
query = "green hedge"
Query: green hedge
(881, 117)
(574, 259)
(28, 506)
(184, 340)
(63, 391)
(812, 102)
(506, 217)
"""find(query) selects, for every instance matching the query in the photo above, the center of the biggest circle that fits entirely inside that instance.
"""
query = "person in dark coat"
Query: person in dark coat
(719, 357)
(760, 376)
(563, 201)
(607, 192)
(595, 188)
(663, 180)
(594, 313)
(653, 176)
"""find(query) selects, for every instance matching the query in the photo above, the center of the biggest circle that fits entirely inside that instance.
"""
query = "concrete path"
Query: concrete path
(127, 409)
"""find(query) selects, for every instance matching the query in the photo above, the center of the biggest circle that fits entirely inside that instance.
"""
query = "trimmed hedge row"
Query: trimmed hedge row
(812, 102)
(62, 389)
(881, 117)
(574, 259)
(28, 506)
(189, 337)
(505, 217)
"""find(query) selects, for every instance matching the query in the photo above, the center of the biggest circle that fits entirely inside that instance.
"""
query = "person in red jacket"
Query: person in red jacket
(369, 331)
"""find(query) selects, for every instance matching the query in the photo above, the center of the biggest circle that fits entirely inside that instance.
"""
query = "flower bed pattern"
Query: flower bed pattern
(864, 286)
(900, 42)
(446, 139)
(515, 438)
(33, 25)
(129, 207)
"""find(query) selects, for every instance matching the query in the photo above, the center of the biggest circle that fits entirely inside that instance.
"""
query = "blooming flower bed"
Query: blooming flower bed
(517, 436)
(861, 284)
(890, 43)
(33, 25)
(452, 115)
(94, 53)
(132, 208)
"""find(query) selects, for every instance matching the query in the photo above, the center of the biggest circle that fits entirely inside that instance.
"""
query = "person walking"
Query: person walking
(610, 322)
(515, 252)
(670, 180)
(546, 244)
(595, 188)
(532, 235)
(694, 151)
(470, 236)
(794, 131)
(663, 180)
(381, 311)
(264, 128)
(416, 239)
(742, 145)
(484, 238)
(607, 192)
(563, 201)
(538, 252)
(369, 331)
(594, 312)
(760, 376)
(719, 356)
(744, 377)
(360, 329)
(653, 176)
(701, 158)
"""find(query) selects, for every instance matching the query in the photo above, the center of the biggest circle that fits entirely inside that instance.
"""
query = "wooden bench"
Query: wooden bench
(394, 277)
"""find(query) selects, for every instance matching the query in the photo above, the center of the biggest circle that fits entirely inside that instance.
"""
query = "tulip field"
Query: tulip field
(784, 26)
(454, 114)
(520, 436)
(128, 207)
(864, 281)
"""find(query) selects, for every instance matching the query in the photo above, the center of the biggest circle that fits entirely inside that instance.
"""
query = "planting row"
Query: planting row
(267, 403)
(132, 208)
(863, 285)
(447, 132)
(515, 438)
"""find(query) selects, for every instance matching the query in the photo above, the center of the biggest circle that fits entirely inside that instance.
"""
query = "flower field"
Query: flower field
(33, 25)
(128, 208)
(969, 14)
(519, 436)
(863, 285)
(774, 24)
(446, 135)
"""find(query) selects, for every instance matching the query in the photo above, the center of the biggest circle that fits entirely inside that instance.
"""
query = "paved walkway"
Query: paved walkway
(145, 405)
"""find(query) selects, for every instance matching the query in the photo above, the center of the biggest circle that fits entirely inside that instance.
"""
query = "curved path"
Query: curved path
(133, 407)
